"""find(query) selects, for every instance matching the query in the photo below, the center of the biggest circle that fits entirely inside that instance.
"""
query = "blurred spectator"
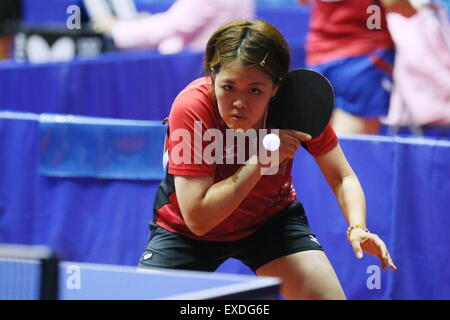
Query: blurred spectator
(350, 44)
(421, 91)
(276, 2)
(446, 5)
(10, 13)
(187, 24)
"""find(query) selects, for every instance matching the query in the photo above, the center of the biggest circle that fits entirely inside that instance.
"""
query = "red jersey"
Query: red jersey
(195, 108)
(346, 28)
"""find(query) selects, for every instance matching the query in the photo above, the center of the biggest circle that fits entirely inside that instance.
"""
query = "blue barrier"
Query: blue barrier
(82, 219)
(138, 85)
(407, 192)
(105, 220)
(74, 147)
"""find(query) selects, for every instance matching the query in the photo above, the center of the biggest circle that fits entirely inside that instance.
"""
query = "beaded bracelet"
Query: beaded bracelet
(356, 226)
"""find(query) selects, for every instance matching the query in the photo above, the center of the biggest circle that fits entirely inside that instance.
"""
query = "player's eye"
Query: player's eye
(227, 87)
(255, 91)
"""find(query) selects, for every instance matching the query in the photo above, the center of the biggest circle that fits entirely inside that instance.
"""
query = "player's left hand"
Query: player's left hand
(363, 241)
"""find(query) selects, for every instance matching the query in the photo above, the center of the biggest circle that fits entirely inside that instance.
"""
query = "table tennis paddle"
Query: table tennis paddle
(304, 102)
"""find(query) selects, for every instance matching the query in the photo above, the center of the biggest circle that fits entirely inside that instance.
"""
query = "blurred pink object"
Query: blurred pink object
(421, 91)
(187, 24)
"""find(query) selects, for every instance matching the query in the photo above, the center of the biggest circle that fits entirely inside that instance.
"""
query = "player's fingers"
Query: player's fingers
(287, 139)
(384, 255)
(289, 142)
(290, 152)
(383, 265)
(301, 136)
(357, 248)
(388, 260)
(391, 263)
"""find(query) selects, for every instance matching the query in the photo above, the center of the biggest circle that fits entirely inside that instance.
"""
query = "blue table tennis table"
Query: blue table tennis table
(24, 279)
(108, 282)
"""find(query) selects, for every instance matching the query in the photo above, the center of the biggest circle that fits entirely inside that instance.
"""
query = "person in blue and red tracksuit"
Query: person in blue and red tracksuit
(207, 210)
(349, 43)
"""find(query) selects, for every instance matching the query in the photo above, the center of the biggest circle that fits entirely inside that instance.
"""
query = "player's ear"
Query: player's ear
(276, 85)
(274, 90)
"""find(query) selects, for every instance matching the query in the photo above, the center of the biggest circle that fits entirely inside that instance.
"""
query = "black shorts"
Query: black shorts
(285, 233)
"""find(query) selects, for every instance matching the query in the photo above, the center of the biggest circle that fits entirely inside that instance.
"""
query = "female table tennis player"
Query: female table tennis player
(205, 213)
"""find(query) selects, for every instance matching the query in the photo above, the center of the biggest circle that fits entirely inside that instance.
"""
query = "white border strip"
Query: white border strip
(69, 119)
(237, 288)
(428, 141)
(24, 251)
(19, 115)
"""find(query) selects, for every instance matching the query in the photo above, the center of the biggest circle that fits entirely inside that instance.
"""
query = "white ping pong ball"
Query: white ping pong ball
(271, 142)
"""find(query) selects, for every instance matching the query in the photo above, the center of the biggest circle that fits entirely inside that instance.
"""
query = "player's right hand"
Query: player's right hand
(290, 141)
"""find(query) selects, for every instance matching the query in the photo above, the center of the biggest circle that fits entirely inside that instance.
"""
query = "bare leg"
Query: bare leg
(347, 123)
(305, 275)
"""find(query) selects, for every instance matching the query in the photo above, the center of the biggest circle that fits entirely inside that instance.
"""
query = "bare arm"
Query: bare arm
(350, 195)
(204, 204)
(345, 185)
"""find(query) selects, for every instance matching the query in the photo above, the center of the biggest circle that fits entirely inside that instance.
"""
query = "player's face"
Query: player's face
(243, 95)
